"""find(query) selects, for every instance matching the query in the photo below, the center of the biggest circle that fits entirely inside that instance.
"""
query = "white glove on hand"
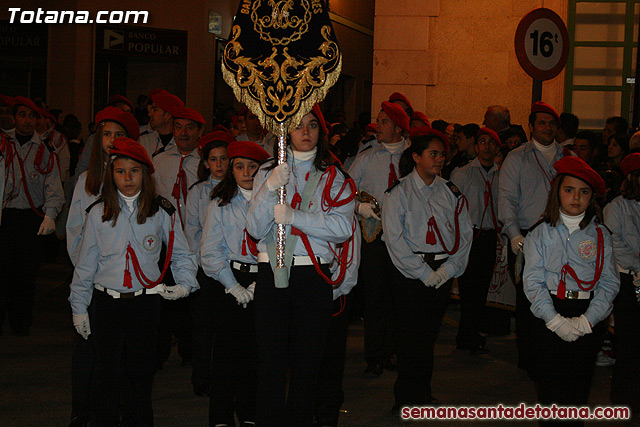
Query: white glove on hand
(563, 328)
(47, 226)
(172, 292)
(279, 177)
(366, 211)
(283, 213)
(81, 323)
(251, 289)
(243, 296)
(517, 243)
(436, 278)
(581, 324)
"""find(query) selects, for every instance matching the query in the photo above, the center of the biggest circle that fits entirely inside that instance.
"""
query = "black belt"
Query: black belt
(430, 259)
(484, 231)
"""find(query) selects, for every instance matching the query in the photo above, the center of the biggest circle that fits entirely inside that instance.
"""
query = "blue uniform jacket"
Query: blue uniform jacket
(405, 213)
(547, 249)
(197, 201)
(622, 216)
(470, 180)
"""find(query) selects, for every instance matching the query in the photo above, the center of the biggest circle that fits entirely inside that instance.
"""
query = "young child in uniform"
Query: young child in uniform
(229, 255)
(113, 294)
(571, 279)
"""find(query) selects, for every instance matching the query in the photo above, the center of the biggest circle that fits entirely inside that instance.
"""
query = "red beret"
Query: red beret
(541, 107)
(396, 114)
(242, 111)
(247, 149)
(417, 115)
(630, 164)
(575, 166)
(124, 119)
(397, 96)
(371, 127)
(153, 92)
(21, 100)
(166, 101)
(48, 115)
(219, 127)
(6, 101)
(215, 136)
(428, 130)
(120, 99)
(492, 134)
(188, 114)
(318, 113)
(124, 146)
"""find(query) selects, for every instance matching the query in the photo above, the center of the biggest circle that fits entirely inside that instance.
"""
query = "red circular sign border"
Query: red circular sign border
(523, 26)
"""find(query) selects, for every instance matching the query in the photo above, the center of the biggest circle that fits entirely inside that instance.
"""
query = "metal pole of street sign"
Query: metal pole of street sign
(636, 92)
(536, 93)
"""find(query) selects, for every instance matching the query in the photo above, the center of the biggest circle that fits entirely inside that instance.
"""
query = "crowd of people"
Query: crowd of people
(173, 235)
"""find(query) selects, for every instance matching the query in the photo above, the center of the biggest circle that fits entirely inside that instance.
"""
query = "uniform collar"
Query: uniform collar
(475, 163)
(381, 146)
(420, 184)
(172, 149)
(529, 147)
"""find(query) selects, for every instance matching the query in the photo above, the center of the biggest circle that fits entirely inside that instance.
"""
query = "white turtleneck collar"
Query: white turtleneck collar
(245, 193)
(572, 222)
(130, 200)
(302, 156)
(394, 148)
(548, 151)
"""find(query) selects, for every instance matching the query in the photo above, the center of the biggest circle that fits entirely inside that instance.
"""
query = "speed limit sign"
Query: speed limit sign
(542, 44)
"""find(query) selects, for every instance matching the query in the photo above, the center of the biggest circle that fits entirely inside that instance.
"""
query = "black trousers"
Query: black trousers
(564, 369)
(474, 287)
(330, 396)
(379, 316)
(420, 310)
(21, 252)
(233, 381)
(205, 310)
(125, 333)
(625, 382)
(524, 318)
(291, 332)
(82, 363)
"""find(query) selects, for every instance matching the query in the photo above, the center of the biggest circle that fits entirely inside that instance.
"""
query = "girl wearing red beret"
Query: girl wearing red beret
(571, 279)
(622, 216)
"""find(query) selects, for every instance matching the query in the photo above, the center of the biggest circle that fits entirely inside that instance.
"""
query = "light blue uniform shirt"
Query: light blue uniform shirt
(547, 249)
(405, 214)
(197, 201)
(167, 166)
(622, 216)
(103, 250)
(351, 274)
(45, 190)
(222, 238)
(85, 157)
(470, 180)
(370, 170)
(322, 228)
(77, 214)
(525, 181)
(152, 143)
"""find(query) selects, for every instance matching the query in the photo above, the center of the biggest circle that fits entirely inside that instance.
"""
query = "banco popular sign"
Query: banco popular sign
(147, 42)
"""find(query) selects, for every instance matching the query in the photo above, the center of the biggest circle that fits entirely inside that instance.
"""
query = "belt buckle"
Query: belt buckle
(244, 268)
(573, 294)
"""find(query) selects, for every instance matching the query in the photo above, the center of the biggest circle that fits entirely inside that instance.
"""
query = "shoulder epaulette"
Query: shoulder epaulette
(145, 132)
(541, 221)
(92, 205)
(456, 192)
(366, 148)
(339, 167)
(395, 184)
(47, 143)
(166, 205)
(196, 183)
(598, 222)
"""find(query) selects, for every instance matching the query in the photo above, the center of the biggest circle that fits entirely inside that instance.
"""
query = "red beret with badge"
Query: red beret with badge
(542, 107)
(397, 115)
(124, 119)
(630, 163)
(127, 147)
(420, 117)
(217, 135)
(397, 96)
(188, 114)
(578, 168)
(247, 149)
(167, 101)
(491, 133)
(21, 100)
(426, 131)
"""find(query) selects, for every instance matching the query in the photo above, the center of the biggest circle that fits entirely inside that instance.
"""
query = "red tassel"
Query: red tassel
(392, 175)
(431, 236)
(127, 275)
(296, 201)
(562, 289)
(244, 247)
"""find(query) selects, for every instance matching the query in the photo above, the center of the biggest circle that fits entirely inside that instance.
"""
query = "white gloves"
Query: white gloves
(47, 226)
(81, 323)
(366, 211)
(563, 328)
(581, 324)
(436, 278)
(279, 177)
(242, 294)
(251, 289)
(172, 292)
(283, 213)
(517, 243)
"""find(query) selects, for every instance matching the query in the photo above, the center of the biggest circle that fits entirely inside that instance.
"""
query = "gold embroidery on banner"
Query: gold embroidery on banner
(281, 19)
